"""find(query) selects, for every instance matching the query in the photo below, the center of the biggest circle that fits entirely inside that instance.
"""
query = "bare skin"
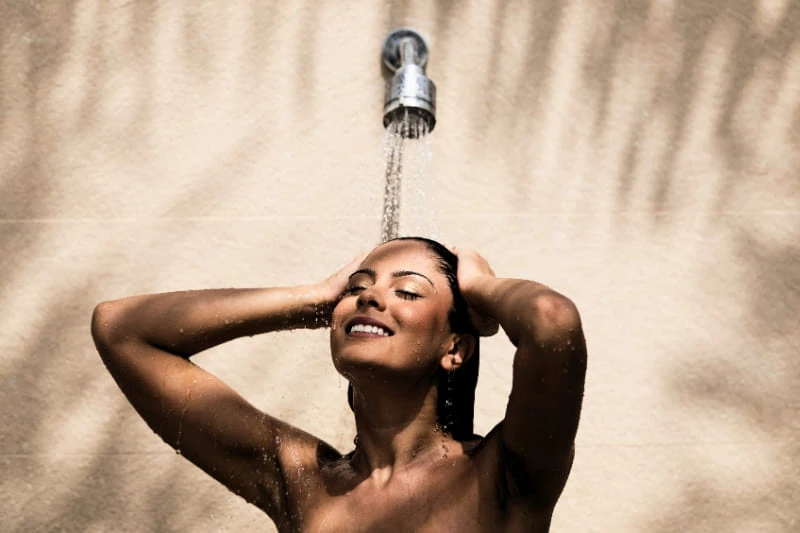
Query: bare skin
(405, 474)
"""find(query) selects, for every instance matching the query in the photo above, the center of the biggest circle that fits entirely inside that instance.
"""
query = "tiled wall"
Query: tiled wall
(641, 157)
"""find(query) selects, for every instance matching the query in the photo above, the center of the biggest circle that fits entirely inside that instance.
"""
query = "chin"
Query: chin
(353, 361)
(355, 356)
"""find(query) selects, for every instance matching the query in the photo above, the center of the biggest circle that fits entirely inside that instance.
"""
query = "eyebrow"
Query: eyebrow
(398, 274)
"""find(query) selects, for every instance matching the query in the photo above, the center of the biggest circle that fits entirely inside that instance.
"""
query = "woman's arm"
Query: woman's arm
(542, 415)
(186, 323)
(145, 341)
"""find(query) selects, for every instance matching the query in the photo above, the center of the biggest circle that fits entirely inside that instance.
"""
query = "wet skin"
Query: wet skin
(451, 487)
(389, 336)
(442, 484)
(399, 289)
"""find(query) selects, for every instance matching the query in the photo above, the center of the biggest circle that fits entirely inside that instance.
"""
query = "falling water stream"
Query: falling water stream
(407, 160)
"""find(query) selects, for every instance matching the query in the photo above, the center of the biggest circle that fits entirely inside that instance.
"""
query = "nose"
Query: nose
(371, 296)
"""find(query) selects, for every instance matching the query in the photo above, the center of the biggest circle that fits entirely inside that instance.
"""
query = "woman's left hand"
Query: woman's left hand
(473, 274)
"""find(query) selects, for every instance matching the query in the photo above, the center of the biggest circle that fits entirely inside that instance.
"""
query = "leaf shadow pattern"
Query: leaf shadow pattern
(65, 448)
(768, 407)
(748, 390)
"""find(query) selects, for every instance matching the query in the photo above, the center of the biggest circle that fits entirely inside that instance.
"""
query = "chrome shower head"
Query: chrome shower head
(409, 91)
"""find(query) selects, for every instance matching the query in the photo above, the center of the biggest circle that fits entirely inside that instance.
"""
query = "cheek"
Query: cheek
(430, 319)
(340, 310)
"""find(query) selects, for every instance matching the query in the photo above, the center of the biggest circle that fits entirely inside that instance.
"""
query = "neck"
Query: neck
(396, 429)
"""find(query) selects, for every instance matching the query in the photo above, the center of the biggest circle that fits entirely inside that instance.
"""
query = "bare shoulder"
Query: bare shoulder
(526, 502)
(462, 489)
(303, 458)
(300, 459)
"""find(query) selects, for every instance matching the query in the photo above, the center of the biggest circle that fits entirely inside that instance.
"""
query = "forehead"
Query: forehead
(412, 255)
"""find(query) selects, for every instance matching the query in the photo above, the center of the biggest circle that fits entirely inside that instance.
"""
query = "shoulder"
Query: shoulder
(288, 465)
(515, 484)
(300, 455)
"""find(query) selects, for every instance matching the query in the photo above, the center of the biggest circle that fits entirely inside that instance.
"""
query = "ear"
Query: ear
(459, 351)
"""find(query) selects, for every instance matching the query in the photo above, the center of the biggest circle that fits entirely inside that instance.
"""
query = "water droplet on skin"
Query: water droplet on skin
(181, 331)
(180, 420)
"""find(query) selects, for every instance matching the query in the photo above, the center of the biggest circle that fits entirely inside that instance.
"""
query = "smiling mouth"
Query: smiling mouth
(363, 328)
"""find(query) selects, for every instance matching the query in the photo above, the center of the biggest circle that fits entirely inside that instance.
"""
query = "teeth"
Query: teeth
(364, 328)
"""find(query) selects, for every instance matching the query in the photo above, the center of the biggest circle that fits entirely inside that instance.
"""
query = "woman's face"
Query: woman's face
(394, 313)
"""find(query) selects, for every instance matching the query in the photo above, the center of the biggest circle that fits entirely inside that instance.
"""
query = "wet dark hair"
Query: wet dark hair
(455, 408)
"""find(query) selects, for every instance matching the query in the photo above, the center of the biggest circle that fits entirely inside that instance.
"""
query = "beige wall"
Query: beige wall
(641, 157)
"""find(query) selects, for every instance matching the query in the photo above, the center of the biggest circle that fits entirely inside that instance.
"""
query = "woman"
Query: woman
(401, 335)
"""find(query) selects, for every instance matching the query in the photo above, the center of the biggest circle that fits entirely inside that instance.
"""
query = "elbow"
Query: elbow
(106, 325)
(556, 319)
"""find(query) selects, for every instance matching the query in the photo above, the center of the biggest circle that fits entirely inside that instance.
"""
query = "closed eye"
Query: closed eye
(407, 295)
(355, 289)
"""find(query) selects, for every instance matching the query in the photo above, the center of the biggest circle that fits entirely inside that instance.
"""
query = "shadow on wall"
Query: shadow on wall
(114, 95)
(54, 373)
(701, 77)
(768, 405)
(754, 387)
(661, 81)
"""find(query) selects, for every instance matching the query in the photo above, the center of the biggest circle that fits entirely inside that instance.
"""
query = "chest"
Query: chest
(414, 509)
(448, 501)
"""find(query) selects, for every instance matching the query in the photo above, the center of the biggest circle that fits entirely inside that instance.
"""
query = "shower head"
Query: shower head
(409, 91)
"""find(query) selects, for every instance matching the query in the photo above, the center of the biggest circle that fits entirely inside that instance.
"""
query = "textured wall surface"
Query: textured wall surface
(642, 157)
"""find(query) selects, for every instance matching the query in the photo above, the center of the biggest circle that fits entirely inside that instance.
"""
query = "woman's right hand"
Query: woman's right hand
(331, 289)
